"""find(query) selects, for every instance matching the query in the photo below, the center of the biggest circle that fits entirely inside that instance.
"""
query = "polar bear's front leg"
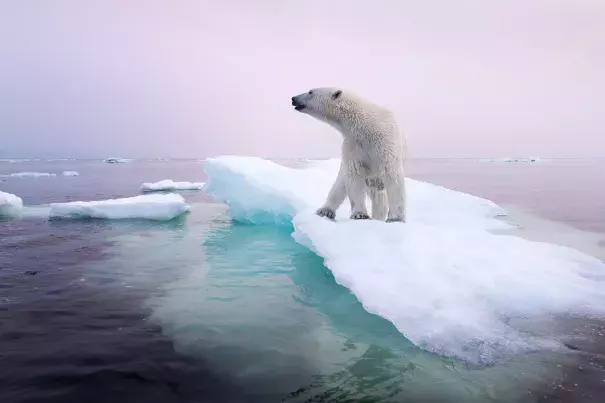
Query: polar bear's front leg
(336, 197)
(378, 197)
(395, 186)
(380, 206)
(356, 190)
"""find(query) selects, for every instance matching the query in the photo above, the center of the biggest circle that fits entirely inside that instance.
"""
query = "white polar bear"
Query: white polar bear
(373, 154)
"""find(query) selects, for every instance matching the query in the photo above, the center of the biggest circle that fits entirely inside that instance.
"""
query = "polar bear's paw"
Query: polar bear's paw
(360, 216)
(395, 219)
(326, 212)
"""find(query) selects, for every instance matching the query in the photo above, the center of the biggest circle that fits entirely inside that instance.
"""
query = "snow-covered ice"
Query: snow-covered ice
(443, 279)
(169, 184)
(70, 173)
(118, 160)
(28, 174)
(160, 207)
(10, 205)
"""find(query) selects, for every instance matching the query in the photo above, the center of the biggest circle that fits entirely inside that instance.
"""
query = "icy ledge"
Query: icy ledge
(160, 207)
(10, 205)
(445, 282)
(262, 192)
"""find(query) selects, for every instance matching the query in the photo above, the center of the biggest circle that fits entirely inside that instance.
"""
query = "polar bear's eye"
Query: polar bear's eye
(311, 92)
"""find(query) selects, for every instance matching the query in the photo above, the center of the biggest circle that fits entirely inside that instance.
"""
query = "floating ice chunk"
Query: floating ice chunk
(70, 173)
(261, 191)
(118, 160)
(159, 207)
(10, 205)
(169, 184)
(446, 282)
(28, 174)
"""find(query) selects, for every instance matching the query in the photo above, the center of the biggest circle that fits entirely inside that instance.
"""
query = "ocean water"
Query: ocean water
(202, 309)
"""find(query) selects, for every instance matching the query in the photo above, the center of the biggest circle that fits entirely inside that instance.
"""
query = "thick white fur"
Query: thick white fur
(374, 151)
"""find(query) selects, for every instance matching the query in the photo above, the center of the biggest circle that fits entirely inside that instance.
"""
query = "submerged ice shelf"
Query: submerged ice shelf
(170, 185)
(443, 279)
(159, 207)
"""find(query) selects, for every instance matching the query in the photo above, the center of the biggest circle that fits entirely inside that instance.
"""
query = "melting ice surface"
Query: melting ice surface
(10, 205)
(445, 282)
(169, 184)
(159, 207)
(70, 173)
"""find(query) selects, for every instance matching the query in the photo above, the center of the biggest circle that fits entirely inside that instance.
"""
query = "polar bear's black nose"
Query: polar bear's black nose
(299, 106)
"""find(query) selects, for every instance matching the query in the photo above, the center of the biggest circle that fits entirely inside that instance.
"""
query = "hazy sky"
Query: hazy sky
(195, 78)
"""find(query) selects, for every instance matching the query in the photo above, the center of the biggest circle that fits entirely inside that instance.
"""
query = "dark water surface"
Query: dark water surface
(200, 309)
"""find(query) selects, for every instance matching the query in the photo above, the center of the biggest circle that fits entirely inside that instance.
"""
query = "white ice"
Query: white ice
(28, 174)
(118, 160)
(10, 205)
(160, 207)
(169, 184)
(70, 173)
(445, 282)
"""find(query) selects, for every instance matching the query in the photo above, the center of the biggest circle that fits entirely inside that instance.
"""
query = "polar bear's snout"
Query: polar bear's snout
(298, 102)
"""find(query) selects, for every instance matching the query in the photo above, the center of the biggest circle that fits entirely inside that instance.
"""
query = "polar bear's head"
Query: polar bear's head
(324, 103)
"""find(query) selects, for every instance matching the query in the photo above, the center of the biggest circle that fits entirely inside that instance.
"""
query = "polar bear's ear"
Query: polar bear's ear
(337, 94)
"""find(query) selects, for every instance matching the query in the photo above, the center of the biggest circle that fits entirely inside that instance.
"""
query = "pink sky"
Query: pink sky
(193, 78)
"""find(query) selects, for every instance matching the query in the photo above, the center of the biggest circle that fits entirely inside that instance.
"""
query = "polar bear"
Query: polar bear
(374, 151)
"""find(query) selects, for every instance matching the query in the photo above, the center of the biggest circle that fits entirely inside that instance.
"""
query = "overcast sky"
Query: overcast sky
(195, 78)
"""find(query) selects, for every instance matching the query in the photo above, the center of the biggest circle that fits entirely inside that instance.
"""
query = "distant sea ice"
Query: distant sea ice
(28, 174)
(10, 205)
(514, 160)
(159, 207)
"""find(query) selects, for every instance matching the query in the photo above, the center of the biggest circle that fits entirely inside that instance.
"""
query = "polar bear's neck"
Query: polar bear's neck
(344, 116)
(356, 121)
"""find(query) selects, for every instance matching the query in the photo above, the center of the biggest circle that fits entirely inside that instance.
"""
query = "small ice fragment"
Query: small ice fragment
(160, 207)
